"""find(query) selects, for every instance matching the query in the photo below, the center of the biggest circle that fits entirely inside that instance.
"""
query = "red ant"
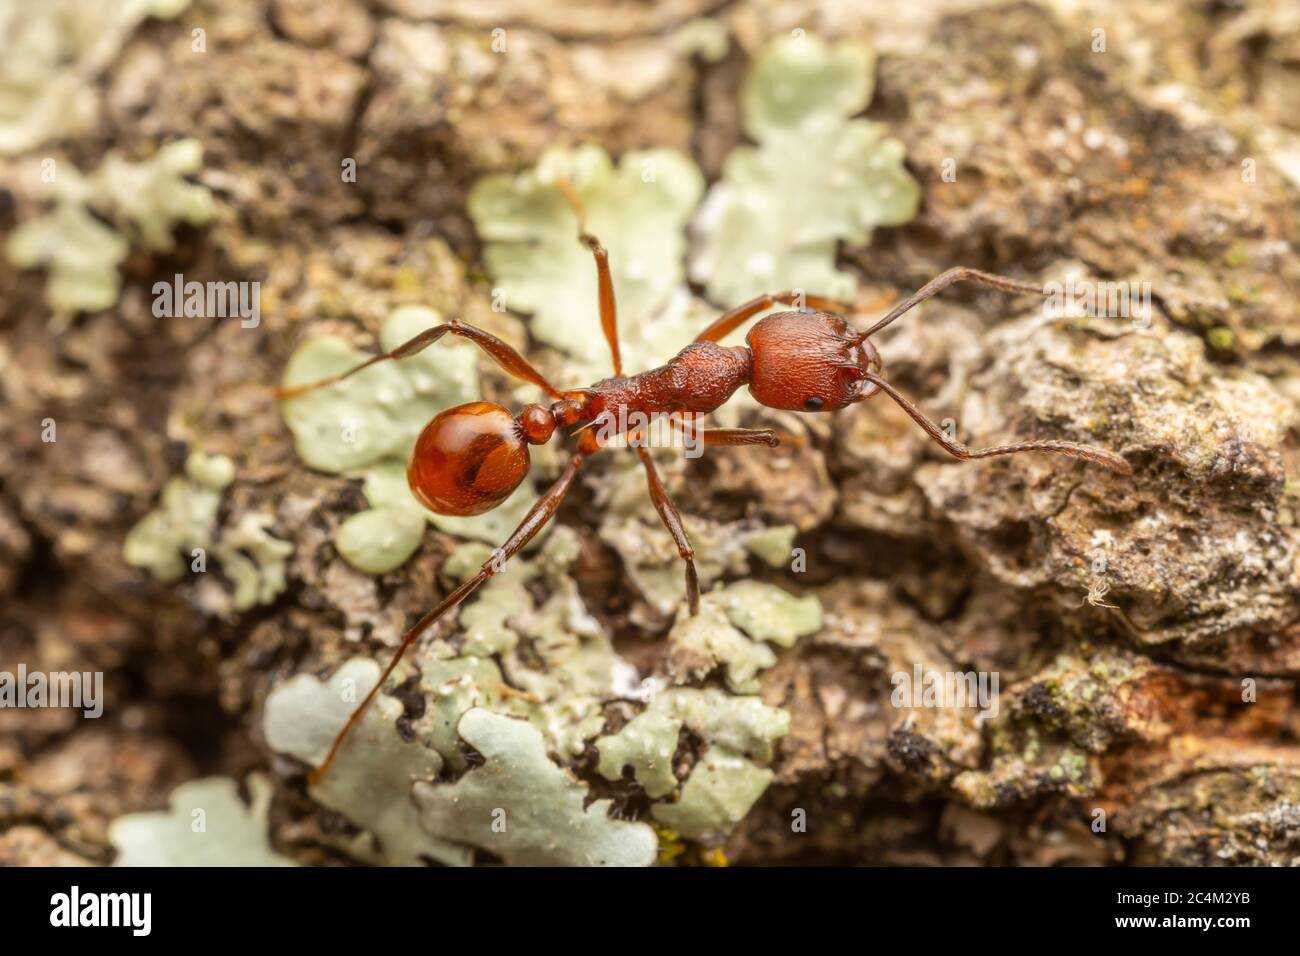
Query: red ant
(470, 458)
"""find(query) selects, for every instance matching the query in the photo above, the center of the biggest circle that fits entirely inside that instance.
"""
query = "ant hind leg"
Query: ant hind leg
(541, 512)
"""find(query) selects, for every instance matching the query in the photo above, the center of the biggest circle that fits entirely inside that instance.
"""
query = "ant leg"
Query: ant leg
(733, 436)
(728, 322)
(959, 450)
(737, 436)
(938, 284)
(672, 520)
(505, 356)
(608, 310)
(741, 436)
(604, 280)
(534, 521)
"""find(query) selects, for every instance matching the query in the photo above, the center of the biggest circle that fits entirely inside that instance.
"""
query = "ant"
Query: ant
(470, 458)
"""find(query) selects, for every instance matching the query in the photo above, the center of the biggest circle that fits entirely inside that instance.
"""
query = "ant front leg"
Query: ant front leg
(741, 436)
(510, 360)
(959, 450)
(734, 436)
(533, 522)
(672, 520)
(728, 322)
(604, 279)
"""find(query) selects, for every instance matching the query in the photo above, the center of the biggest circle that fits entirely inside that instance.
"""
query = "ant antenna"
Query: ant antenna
(957, 449)
(941, 282)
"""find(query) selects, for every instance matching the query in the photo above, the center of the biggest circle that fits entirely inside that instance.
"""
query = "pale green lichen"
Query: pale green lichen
(556, 667)
(164, 539)
(631, 526)
(206, 824)
(724, 783)
(526, 648)
(520, 806)
(367, 425)
(81, 253)
(638, 209)
(816, 177)
(740, 726)
(732, 630)
(179, 535)
(143, 202)
(371, 780)
(523, 808)
(148, 200)
(380, 539)
(254, 561)
(767, 613)
(773, 546)
(53, 52)
(719, 792)
(701, 643)
(378, 413)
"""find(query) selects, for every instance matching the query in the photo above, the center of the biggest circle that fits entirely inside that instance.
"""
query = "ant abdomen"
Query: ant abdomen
(468, 459)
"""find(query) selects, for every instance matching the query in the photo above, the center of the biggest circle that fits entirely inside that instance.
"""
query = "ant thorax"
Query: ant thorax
(699, 379)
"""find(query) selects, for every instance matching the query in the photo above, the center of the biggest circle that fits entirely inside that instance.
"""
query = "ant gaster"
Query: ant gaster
(470, 458)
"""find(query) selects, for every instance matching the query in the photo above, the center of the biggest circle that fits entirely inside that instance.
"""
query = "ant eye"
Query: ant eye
(813, 404)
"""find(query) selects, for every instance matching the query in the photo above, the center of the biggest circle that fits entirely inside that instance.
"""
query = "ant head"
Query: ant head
(810, 362)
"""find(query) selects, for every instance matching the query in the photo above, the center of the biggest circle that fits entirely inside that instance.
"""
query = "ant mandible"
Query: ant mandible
(470, 458)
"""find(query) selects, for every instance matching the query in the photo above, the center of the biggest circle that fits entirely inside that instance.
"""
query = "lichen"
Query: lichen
(638, 209)
(143, 202)
(732, 631)
(53, 52)
(719, 792)
(377, 414)
(254, 560)
(206, 824)
(179, 535)
(739, 733)
(631, 526)
(375, 778)
(523, 808)
(372, 778)
(816, 177)
(702, 37)
(526, 651)
(767, 613)
(556, 665)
